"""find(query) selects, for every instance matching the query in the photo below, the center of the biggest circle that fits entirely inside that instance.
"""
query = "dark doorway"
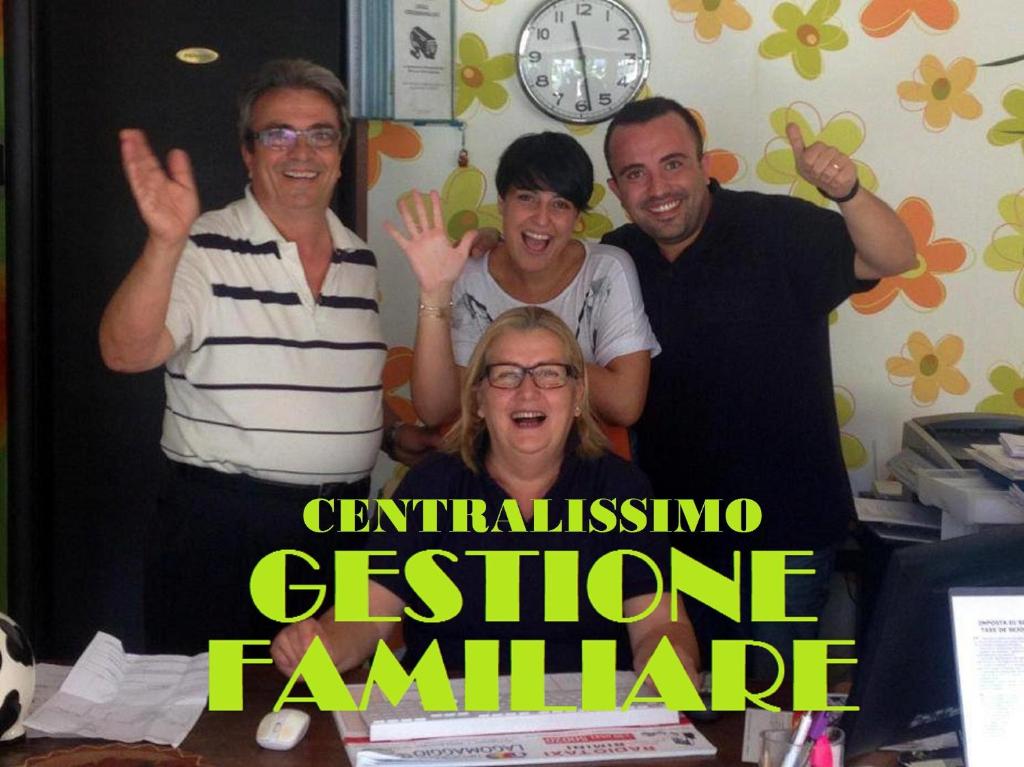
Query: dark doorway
(85, 458)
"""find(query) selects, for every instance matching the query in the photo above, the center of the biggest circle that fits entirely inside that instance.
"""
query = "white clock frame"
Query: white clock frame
(602, 40)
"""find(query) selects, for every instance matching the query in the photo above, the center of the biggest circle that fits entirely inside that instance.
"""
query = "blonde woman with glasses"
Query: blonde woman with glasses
(525, 432)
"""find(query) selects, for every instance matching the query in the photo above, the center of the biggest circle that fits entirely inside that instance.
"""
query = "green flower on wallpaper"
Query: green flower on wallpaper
(844, 131)
(477, 75)
(804, 36)
(854, 454)
(1010, 385)
(1006, 251)
(461, 195)
(1012, 130)
(581, 130)
(593, 225)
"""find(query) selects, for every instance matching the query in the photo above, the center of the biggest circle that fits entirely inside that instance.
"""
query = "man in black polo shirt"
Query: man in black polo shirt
(738, 287)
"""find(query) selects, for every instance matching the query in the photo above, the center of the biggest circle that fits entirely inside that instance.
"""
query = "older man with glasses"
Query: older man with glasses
(265, 317)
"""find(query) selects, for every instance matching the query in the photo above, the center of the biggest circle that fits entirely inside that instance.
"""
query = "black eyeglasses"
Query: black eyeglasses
(286, 138)
(546, 375)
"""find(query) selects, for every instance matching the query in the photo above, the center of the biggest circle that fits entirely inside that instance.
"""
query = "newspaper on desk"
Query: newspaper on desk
(599, 744)
(114, 695)
(468, 738)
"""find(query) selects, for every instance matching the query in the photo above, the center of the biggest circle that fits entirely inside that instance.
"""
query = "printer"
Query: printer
(942, 440)
(935, 463)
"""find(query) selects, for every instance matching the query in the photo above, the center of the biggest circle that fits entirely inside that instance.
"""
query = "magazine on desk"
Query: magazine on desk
(385, 733)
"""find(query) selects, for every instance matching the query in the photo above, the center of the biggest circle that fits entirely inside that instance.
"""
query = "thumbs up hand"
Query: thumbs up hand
(826, 167)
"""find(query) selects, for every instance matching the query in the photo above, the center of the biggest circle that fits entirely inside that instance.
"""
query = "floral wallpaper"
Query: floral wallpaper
(926, 96)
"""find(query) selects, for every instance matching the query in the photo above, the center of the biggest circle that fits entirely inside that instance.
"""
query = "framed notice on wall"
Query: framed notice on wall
(400, 59)
(423, 59)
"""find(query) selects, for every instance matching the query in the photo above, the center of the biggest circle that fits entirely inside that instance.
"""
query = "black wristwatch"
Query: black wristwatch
(846, 197)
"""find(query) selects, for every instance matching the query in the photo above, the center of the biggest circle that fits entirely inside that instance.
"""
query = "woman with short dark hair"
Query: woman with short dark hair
(544, 182)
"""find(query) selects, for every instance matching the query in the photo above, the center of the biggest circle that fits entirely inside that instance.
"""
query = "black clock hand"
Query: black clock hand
(583, 61)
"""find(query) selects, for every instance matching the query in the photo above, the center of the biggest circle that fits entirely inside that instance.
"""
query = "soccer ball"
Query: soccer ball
(17, 678)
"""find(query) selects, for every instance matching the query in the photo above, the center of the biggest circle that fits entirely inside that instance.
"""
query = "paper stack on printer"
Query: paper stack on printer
(1013, 444)
(1006, 458)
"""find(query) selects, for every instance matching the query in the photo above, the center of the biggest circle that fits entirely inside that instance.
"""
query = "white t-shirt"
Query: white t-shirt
(602, 306)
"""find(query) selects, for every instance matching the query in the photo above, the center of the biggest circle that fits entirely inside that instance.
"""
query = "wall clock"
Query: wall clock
(581, 62)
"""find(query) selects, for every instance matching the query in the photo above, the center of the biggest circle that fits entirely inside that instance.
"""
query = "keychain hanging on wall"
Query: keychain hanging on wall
(463, 152)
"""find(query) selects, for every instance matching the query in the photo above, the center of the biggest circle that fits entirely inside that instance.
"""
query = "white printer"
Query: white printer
(936, 464)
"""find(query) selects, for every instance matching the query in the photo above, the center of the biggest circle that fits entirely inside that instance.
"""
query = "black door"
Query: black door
(85, 460)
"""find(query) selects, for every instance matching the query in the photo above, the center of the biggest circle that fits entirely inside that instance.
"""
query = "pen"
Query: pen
(819, 723)
(799, 738)
(821, 752)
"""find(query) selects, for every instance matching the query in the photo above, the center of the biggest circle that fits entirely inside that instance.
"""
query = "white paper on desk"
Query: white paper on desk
(115, 695)
(757, 721)
(897, 513)
(49, 678)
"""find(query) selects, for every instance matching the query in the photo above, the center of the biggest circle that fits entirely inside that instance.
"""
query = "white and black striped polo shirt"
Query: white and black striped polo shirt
(266, 380)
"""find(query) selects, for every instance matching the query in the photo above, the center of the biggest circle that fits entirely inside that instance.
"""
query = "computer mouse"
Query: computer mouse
(282, 730)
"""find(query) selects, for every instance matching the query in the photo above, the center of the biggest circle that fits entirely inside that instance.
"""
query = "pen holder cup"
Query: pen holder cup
(776, 744)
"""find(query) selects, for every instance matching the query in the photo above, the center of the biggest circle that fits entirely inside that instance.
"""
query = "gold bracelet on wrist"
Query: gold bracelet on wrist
(440, 312)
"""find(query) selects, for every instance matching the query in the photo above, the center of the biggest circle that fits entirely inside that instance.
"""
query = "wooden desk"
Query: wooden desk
(228, 739)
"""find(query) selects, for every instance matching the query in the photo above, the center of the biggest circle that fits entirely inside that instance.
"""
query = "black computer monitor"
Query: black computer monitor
(905, 681)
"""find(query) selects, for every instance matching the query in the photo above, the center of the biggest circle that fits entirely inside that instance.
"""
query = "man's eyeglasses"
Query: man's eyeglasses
(547, 375)
(286, 138)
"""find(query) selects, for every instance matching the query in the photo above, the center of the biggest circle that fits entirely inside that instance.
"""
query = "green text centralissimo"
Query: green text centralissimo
(470, 515)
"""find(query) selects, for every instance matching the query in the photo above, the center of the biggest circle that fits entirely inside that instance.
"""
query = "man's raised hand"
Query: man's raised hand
(822, 165)
(167, 200)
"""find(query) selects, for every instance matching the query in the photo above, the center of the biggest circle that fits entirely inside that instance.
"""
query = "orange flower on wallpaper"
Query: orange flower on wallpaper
(942, 93)
(392, 139)
(881, 18)
(709, 16)
(929, 369)
(397, 374)
(723, 164)
(920, 286)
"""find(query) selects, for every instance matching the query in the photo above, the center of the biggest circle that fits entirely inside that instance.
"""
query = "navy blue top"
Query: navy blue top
(446, 476)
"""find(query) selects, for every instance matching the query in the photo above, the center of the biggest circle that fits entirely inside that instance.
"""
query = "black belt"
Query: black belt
(243, 482)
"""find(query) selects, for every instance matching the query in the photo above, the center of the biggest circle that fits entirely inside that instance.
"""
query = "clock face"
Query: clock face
(581, 62)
